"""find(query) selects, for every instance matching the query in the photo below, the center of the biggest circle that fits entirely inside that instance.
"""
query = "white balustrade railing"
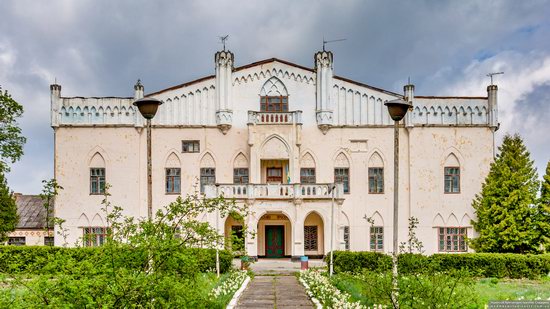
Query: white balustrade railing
(275, 117)
(275, 191)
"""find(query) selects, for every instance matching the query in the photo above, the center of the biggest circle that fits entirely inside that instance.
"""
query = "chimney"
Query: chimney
(224, 90)
(55, 104)
(324, 73)
(492, 100)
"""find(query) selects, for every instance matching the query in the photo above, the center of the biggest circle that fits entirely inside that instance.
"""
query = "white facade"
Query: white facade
(331, 123)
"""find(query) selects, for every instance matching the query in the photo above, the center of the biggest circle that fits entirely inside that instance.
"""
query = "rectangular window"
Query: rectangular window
(310, 238)
(97, 180)
(452, 239)
(94, 236)
(17, 241)
(274, 104)
(307, 175)
(275, 175)
(346, 237)
(48, 241)
(377, 238)
(208, 177)
(452, 180)
(240, 175)
(190, 146)
(173, 180)
(376, 180)
(341, 175)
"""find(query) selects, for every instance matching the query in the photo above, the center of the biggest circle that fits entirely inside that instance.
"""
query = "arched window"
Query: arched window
(273, 96)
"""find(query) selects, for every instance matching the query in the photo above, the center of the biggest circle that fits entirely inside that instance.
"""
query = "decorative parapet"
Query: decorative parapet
(274, 117)
(276, 191)
(97, 111)
(449, 111)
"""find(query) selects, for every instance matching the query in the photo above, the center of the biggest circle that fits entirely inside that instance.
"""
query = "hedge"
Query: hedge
(52, 260)
(498, 265)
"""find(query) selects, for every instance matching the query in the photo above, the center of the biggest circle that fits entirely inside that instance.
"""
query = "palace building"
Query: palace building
(278, 136)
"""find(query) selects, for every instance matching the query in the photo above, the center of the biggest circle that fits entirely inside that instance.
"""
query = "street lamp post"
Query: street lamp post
(148, 108)
(397, 109)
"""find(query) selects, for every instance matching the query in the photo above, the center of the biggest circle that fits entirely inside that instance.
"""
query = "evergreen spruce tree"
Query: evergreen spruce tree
(543, 214)
(506, 208)
(8, 210)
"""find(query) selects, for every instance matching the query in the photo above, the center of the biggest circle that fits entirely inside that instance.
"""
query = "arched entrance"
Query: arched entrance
(314, 237)
(274, 236)
(234, 234)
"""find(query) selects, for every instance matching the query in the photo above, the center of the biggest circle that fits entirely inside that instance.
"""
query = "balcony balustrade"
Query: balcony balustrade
(275, 191)
(275, 117)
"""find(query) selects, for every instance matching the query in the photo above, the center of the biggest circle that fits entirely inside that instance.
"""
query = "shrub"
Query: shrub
(42, 260)
(498, 265)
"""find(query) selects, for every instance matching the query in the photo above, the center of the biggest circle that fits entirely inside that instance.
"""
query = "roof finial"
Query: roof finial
(138, 83)
(224, 39)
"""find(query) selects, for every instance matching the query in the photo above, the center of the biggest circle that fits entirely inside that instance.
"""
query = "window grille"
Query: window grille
(310, 238)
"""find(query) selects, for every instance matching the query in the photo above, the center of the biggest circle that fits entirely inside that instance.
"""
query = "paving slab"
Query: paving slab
(277, 291)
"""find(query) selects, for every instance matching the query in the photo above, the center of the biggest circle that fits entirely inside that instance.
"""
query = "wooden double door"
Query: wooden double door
(274, 241)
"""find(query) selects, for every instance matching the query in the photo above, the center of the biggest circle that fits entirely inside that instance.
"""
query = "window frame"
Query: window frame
(376, 178)
(95, 239)
(443, 240)
(239, 178)
(97, 179)
(312, 177)
(348, 176)
(16, 241)
(265, 104)
(206, 177)
(313, 242)
(195, 146)
(172, 179)
(376, 234)
(452, 179)
(47, 243)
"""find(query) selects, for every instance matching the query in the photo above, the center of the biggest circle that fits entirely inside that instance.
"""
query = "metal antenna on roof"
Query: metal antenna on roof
(325, 42)
(493, 74)
(409, 80)
(223, 39)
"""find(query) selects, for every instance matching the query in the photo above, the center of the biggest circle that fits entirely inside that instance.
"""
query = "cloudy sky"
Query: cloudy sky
(100, 48)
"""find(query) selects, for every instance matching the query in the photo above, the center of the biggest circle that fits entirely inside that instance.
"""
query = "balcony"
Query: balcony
(275, 117)
(275, 191)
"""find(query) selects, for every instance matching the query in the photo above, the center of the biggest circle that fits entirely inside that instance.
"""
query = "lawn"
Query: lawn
(476, 293)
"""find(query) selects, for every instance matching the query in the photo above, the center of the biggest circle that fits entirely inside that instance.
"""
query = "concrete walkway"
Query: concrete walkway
(277, 291)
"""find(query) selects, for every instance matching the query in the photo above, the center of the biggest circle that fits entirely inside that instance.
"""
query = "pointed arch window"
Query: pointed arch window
(273, 96)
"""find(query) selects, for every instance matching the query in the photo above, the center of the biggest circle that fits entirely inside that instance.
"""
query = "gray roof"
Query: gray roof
(31, 211)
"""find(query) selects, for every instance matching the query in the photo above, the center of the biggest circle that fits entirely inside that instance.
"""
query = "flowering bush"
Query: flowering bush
(318, 286)
(229, 285)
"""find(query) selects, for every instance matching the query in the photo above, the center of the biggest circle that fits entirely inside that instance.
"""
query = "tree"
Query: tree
(8, 210)
(506, 207)
(49, 192)
(543, 210)
(11, 139)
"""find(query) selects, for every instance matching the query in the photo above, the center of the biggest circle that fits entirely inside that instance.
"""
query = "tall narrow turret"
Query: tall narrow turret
(408, 91)
(224, 108)
(492, 91)
(324, 72)
(55, 101)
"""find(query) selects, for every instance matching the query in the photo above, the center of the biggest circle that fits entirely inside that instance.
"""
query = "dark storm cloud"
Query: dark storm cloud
(100, 48)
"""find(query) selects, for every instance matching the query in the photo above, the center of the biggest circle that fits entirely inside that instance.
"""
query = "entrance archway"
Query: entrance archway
(314, 237)
(274, 236)
(233, 231)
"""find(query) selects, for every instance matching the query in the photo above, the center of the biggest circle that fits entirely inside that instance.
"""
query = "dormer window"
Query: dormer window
(273, 96)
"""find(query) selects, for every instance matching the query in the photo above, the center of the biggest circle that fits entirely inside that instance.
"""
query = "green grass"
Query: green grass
(486, 289)
(512, 289)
